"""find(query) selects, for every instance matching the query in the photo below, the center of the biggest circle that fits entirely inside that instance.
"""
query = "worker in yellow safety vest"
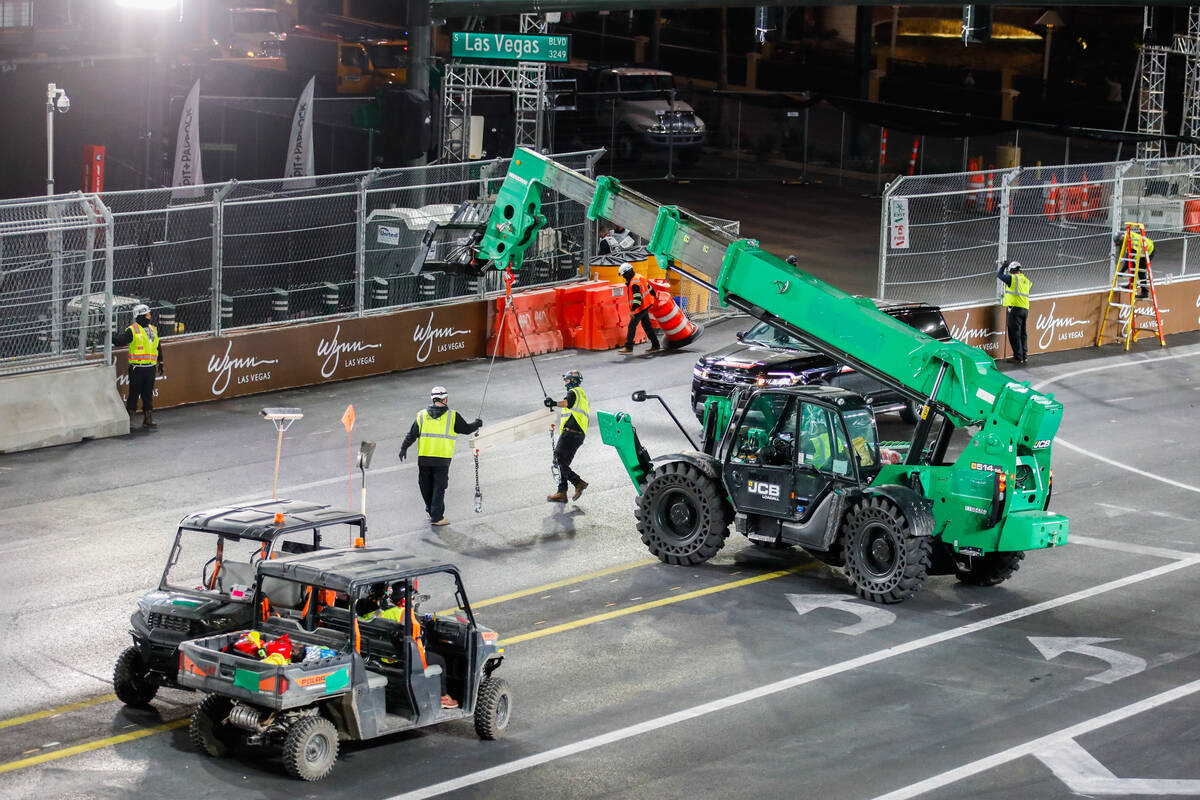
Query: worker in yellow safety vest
(435, 430)
(1016, 304)
(572, 430)
(388, 603)
(145, 356)
(1141, 247)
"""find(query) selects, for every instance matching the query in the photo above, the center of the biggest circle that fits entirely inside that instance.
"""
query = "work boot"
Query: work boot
(442, 521)
(449, 702)
(623, 350)
(580, 485)
(132, 420)
(148, 419)
(557, 497)
(654, 348)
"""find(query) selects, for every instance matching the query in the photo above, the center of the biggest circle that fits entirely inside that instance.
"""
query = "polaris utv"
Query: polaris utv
(333, 667)
(205, 587)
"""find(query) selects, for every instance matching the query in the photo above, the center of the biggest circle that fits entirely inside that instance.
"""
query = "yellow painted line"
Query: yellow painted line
(96, 745)
(491, 601)
(50, 712)
(623, 612)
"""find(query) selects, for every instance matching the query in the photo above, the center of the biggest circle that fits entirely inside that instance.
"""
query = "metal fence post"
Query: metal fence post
(884, 241)
(1118, 199)
(55, 242)
(110, 231)
(1002, 235)
(360, 243)
(218, 251)
(85, 283)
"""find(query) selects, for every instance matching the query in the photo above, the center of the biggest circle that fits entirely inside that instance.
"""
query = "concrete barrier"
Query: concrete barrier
(40, 409)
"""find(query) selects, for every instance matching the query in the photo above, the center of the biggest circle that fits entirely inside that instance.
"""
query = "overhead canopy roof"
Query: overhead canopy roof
(338, 569)
(257, 521)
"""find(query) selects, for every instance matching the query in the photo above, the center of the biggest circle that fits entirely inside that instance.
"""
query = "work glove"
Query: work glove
(403, 454)
(160, 368)
(478, 422)
(549, 402)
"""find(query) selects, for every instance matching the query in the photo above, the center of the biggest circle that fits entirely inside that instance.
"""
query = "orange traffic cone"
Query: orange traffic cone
(1050, 207)
(990, 205)
(679, 330)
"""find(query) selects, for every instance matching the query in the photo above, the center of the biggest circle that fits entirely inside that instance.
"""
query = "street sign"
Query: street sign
(509, 46)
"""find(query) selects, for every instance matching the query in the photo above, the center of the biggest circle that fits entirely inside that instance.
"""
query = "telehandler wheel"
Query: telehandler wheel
(310, 748)
(131, 679)
(208, 732)
(908, 413)
(991, 568)
(492, 708)
(681, 515)
(883, 562)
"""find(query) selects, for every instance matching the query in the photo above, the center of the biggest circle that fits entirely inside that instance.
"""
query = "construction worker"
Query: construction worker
(641, 294)
(145, 355)
(572, 429)
(1016, 304)
(1141, 246)
(614, 240)
(380, 603)
(436, 430)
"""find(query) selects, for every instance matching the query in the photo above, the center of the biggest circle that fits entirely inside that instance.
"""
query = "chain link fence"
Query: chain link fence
(942, 237)
(219, 257)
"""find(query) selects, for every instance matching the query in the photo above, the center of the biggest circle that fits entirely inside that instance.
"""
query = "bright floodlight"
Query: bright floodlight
(148, 5)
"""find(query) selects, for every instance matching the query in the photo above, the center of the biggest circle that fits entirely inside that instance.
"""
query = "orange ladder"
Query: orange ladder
(1125, 292)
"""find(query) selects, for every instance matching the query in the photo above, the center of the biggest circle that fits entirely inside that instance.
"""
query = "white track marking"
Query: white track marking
(621, 734)
(1130, 547)
(1104, 368)
(1040, 744)
(1085, 775)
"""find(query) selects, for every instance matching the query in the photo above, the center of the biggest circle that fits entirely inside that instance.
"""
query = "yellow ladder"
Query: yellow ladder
(1126, 278)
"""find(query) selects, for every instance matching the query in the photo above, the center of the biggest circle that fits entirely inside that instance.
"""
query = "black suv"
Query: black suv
(765, 356)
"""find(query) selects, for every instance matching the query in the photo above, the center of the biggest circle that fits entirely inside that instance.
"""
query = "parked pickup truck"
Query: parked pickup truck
(357, 67)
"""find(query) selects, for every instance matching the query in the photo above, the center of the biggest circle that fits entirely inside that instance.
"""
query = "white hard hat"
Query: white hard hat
(141, 309)
(625, 269)
(1014, 265)
(438, 393)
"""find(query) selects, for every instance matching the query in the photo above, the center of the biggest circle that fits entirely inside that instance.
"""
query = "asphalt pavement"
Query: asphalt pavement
(757, 674)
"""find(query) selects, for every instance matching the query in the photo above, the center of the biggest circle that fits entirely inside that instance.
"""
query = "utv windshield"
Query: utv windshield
(212, 563)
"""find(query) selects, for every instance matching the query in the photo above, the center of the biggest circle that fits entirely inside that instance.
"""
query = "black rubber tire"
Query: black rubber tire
(627, 147)
(991, 568)
(208, 732)
(682, 515)
(908, 413)
(884, 563)
(493, 708)
(132, 681)
(310, 748)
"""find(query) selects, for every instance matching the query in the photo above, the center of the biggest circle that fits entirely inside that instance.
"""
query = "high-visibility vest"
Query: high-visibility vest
(437, 435)
(578, 412)
(1140, 245)
(1016, 295)
(819, 459)
(143, 350)
(639, 289)
(396, 615)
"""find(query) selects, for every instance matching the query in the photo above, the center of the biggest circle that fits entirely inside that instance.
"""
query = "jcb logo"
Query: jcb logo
(769, 491)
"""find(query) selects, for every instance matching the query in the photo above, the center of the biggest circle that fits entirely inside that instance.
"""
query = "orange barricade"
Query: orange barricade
(571, 308)
(538, 332)
(676, 327)
(1050, 207)
(1191, 215)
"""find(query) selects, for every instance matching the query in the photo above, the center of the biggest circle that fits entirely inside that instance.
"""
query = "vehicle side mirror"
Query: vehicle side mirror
(740, 335)
(639, 396)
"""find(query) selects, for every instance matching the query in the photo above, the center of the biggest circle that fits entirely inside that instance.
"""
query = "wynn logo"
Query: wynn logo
(333, 350)
(426, 336)
(1053, 327)
(965, 333)
(222, 367)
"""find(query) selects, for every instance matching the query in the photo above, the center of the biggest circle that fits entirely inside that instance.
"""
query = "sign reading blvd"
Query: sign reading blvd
(510, 46)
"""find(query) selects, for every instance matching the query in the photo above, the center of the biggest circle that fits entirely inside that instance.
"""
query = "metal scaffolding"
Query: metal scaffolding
(1153, 83)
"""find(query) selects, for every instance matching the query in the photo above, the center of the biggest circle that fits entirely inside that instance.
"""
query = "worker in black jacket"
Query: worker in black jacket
(436, 430)
(575, 412)
(145, 355)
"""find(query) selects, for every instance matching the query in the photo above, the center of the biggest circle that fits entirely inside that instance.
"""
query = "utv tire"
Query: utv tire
(991, 569)
(208, 732)
(132, 681)
(884, 563)
(310, 748)
(492, 708)
(682, 515)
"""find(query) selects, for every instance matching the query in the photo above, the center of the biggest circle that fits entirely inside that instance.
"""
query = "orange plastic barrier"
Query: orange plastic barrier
(538, 332)
(605, 318)
(572, 310)
(676, 327)
(1191, 216)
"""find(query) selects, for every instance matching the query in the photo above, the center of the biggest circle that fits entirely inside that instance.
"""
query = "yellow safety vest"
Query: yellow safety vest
(579, 411)
(143, 350)
(1017, 295)
(1140, 245)
(437, 435)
